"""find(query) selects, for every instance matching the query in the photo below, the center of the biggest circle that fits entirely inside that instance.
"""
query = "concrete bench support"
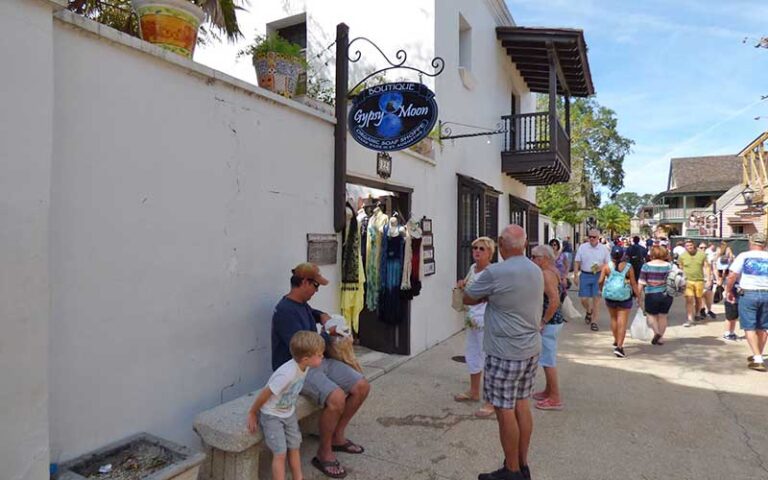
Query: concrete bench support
(232, 453)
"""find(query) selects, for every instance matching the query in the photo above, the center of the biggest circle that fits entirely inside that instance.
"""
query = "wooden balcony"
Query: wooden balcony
(537, 150)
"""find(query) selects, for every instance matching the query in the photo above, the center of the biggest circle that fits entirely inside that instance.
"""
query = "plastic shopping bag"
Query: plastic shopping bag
(569, 311)
(640, 329)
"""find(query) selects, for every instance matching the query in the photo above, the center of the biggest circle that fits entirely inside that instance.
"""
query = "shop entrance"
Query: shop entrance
(387, 327)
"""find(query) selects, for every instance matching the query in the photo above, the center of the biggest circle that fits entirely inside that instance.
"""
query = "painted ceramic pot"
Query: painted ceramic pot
(170, 24)
(277, 72)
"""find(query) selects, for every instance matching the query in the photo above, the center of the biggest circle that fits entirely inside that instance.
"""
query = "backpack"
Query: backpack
(636, 258)
(675, 282)
(616, 287)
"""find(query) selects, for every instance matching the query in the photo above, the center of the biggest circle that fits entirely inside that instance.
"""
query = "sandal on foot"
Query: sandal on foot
(539, 396)
(593, 326)
(349, 447)
(588, 318)
(548, 404)
(485, 412)
(464, 397)
(326, 467)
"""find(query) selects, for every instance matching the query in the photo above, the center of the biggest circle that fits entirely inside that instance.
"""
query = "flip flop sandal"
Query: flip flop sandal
(349, 447)
(593, 326)
(485, 412)
(323, 467)
(464, 397)
(548, 404)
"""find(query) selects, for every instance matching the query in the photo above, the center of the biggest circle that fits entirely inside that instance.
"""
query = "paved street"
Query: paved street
(687, 410)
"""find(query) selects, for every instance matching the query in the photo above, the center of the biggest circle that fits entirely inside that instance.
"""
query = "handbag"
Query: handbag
(569, 311)
(718, 297)
(457, 299)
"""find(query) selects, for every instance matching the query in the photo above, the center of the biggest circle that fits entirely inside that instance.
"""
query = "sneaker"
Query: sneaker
(730, 336)
(702, 313)
(760, 367)
(526, 472)
(501, 474)
(712, 314)
(687, 324)
(619, 352)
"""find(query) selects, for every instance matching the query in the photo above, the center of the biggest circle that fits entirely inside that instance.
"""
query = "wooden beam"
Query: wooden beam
(558, 69)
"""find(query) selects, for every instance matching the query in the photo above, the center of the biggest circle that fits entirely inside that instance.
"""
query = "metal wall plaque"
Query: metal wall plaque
(322, 248)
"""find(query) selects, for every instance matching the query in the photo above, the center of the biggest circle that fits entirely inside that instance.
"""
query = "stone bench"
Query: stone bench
(233, 452)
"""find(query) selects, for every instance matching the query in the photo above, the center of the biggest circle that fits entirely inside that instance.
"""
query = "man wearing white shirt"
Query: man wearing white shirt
(750, 268)
(590, 259)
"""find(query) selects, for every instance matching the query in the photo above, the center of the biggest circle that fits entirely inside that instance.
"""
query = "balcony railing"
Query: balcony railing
(537, 150)
(674, 214)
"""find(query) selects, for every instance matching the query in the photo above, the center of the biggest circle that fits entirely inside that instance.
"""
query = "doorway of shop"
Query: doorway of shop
(387, 327)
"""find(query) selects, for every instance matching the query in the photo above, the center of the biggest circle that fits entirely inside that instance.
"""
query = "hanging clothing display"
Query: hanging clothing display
(413, 269)
(352, 272)
(376, 225)
(412, 230)
(390, 310)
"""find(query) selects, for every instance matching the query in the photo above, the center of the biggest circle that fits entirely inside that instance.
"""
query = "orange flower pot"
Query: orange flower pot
(170, 24)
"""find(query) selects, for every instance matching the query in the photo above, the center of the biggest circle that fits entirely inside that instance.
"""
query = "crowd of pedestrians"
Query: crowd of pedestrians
(514, 317)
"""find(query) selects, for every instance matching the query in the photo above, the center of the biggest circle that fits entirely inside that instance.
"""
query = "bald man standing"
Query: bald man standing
(514, 290)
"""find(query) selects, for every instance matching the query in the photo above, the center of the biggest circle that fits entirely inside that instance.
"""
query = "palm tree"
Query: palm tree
(612, 218)
(221, 15)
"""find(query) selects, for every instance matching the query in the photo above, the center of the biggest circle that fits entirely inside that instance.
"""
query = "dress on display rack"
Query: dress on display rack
(412, 261)
(352, 272)
(376, 225)
(391, 273)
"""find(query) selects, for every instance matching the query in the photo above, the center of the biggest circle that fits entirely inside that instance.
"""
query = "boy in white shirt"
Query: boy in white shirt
(274, 410)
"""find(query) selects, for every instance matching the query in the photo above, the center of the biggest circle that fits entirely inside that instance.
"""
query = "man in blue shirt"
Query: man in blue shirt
(335, 386)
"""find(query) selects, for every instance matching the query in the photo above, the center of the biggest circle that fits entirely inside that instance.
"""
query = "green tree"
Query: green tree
(597, 148)
(630, 202)
(559, 203)
(612, 218)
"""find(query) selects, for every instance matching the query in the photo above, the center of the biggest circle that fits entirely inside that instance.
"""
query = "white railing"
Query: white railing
(673, 213)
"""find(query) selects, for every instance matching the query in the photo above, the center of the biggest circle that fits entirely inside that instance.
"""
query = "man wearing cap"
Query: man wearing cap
(335, 386)
(590, 259)
(750, 269)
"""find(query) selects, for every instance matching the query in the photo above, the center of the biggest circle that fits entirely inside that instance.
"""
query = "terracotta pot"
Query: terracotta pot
(277, 72)
(170, 24)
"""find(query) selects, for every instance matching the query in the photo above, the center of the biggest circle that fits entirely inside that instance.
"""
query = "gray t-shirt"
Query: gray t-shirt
(515, 292)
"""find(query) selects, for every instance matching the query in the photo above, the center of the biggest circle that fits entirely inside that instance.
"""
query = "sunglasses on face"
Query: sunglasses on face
(314, 283)
(592, 237)
(478, 247)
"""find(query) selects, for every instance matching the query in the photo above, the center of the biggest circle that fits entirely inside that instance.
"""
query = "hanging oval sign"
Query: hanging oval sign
(392, 116)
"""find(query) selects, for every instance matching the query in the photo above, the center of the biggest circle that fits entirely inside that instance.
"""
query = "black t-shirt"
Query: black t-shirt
(290, 317)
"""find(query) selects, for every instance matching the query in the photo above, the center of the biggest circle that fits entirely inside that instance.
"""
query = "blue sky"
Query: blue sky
(676, 73)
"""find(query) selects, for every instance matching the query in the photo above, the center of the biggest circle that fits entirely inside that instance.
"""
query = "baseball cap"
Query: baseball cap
(757, 239)
(617, 250)
(309, 271)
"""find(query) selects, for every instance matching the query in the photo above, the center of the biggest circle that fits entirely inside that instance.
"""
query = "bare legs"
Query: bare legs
(515, 429)
(474, 385)
(756, 340)
(619, 324)
(339, 410)
(658, 324)
(692, 307)
(552, 390)
(592, 305)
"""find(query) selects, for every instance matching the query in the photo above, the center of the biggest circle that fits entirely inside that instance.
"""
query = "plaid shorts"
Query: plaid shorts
(507, 381)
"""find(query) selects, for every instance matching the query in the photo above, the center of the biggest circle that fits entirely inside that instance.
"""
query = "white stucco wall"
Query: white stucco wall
(26, 92)
(179, 205)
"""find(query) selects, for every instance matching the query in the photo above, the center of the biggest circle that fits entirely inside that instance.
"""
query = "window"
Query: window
(465, 44)
(293, 29)
(526, 214)
(478, 212)
(738, 229)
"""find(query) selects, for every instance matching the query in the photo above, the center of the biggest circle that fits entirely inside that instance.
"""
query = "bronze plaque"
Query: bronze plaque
(322, 248)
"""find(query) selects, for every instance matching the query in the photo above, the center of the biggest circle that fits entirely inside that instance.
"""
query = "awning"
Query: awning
(528, 48)
(742, 221)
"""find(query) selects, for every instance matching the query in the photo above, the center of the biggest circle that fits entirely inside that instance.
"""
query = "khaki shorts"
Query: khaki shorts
(694, 289)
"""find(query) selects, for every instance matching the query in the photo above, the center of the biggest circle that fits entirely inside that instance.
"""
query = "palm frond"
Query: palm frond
(222, 15)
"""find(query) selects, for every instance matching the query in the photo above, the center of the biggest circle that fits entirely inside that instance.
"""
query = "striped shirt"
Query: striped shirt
(654, 277)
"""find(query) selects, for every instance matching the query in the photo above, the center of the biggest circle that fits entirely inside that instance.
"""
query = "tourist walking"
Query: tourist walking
(678, 250)
(723, 261)
(709, 286)
(514, 290)
(750, 269)
(568, 250)
(697, 278)
(551, 324)
(590, 259)
(617, 280)
(653, 279)
(636, 253)
(482, 252)
(562, 265)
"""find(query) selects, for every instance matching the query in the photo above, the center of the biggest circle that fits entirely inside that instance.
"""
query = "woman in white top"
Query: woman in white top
(482, 252)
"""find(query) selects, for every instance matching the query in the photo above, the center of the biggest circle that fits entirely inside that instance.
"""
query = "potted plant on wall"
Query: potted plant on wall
(278, 63)
(171, 24)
